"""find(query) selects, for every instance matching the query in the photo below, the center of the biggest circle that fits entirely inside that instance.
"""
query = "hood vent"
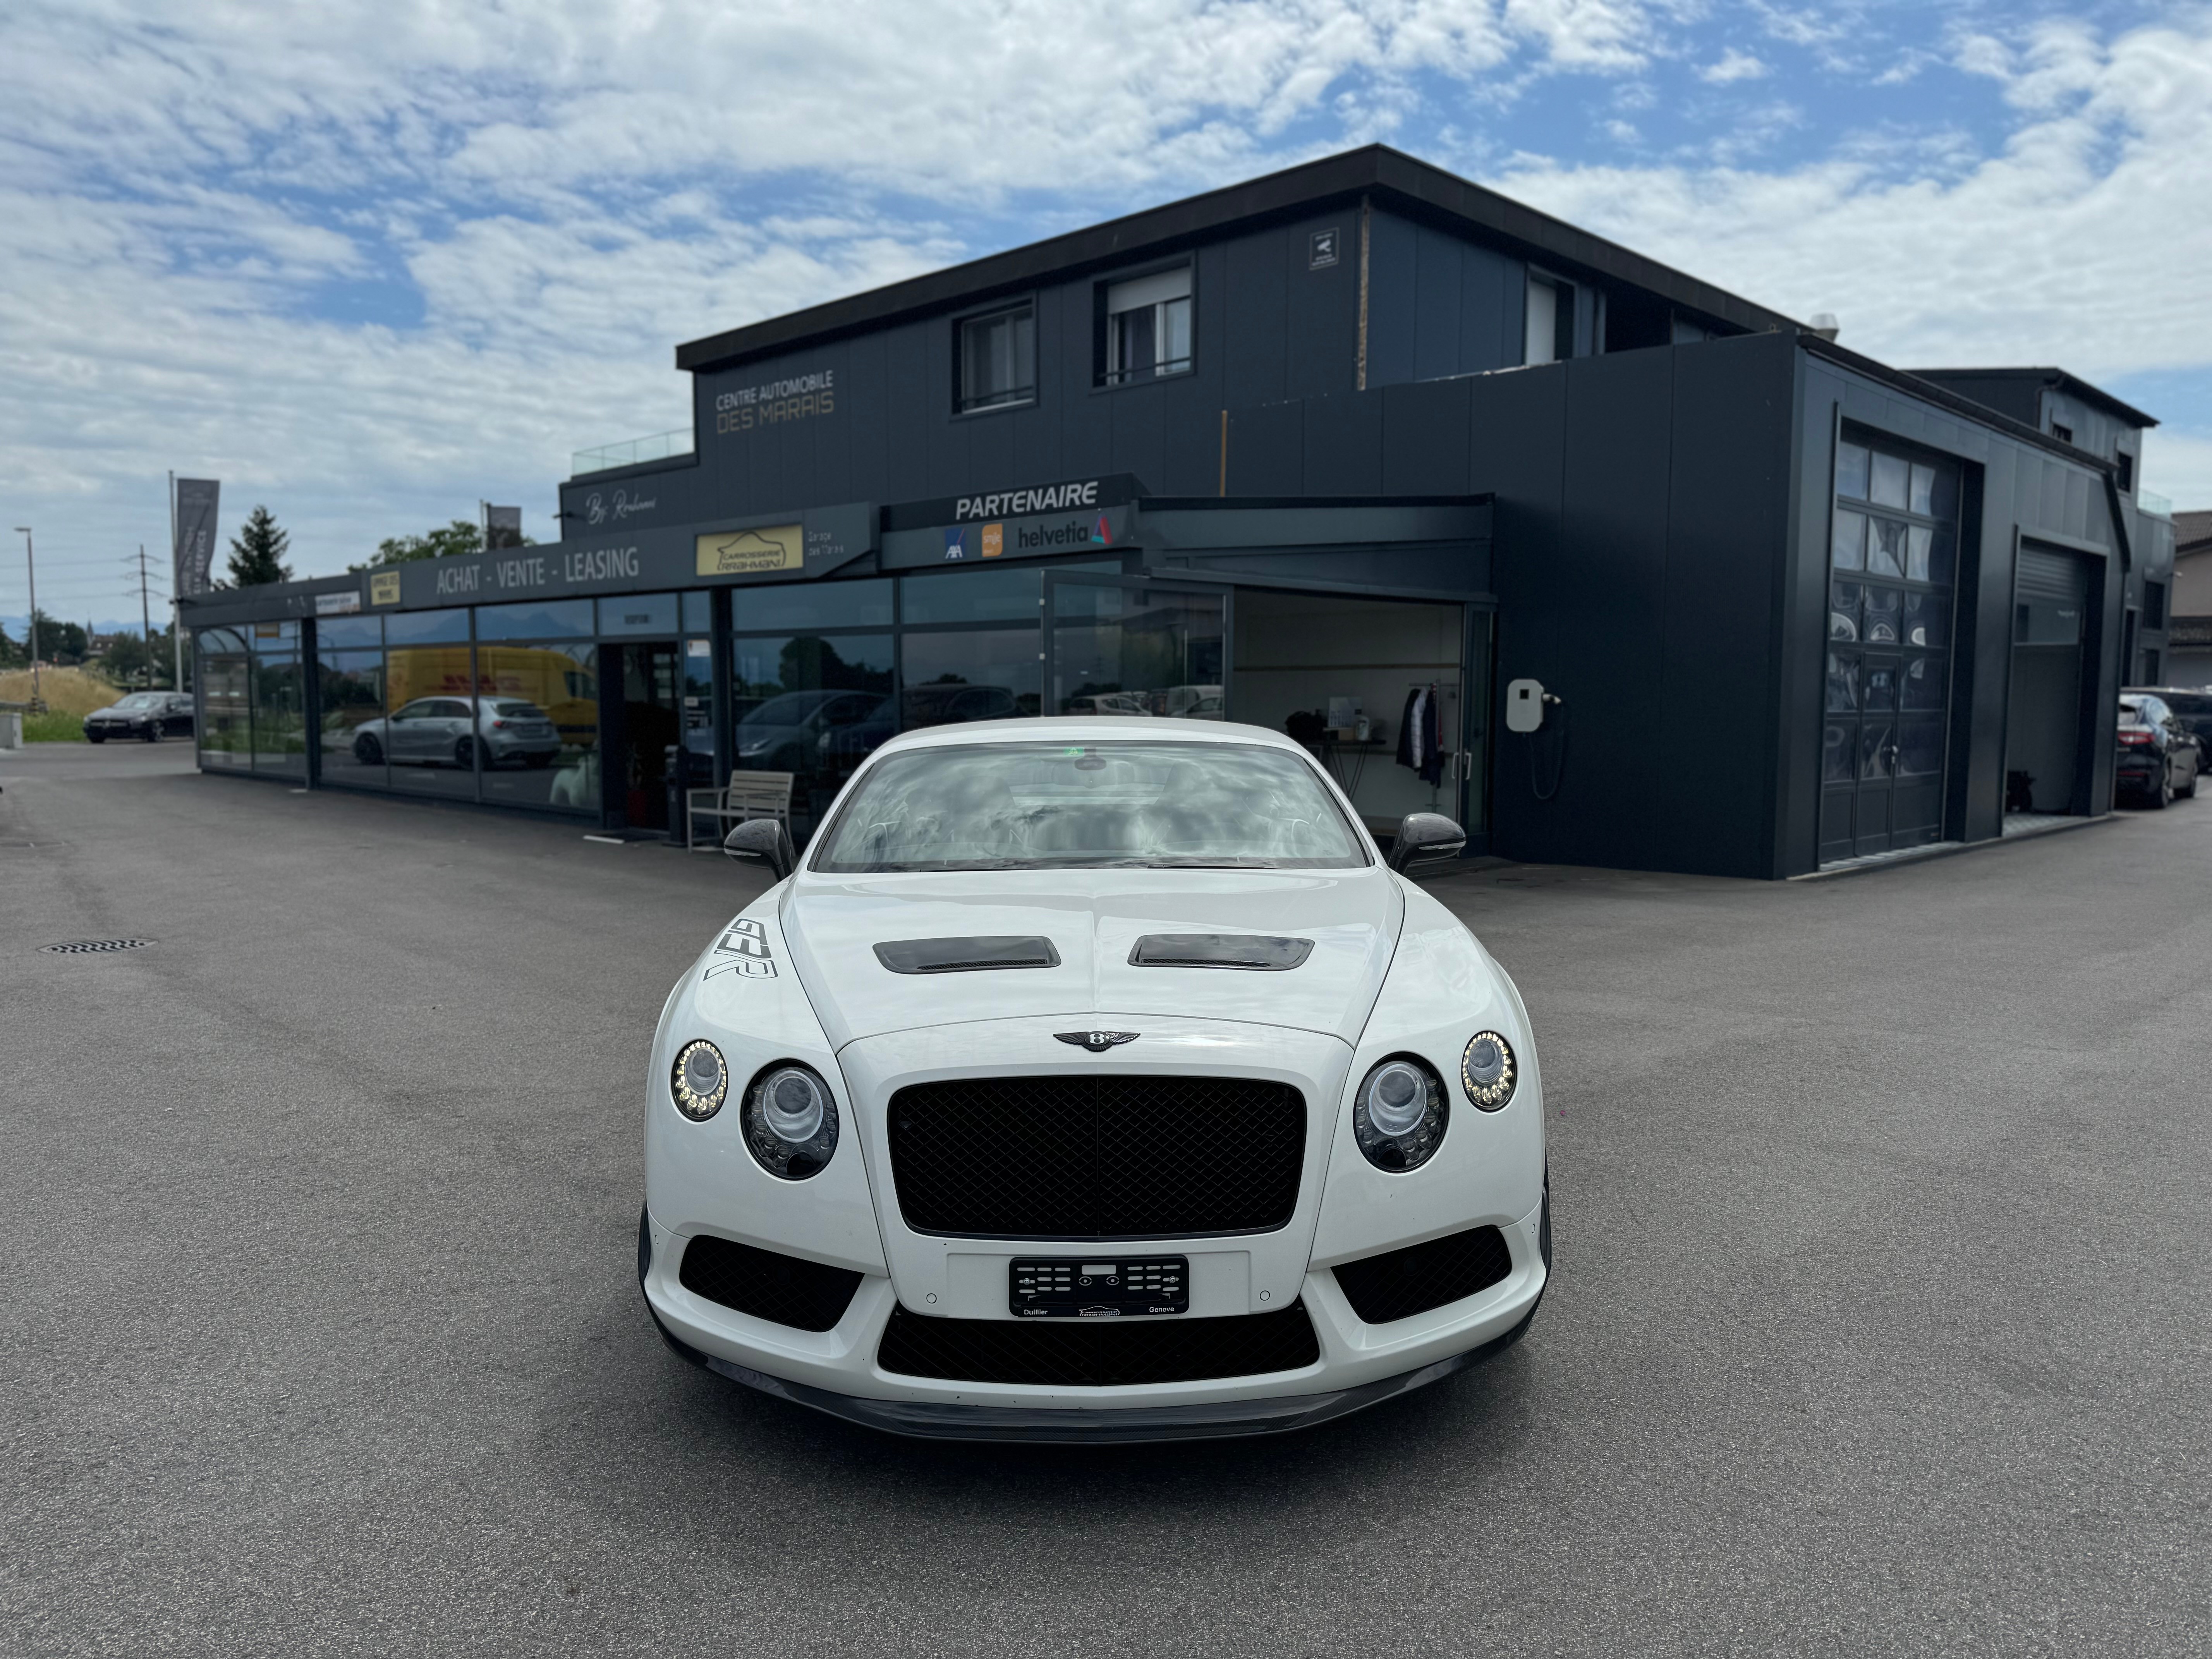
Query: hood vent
(1256, 952)
(967, 955)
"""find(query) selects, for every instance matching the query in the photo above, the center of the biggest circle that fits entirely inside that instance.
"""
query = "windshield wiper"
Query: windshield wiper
(1245, 863)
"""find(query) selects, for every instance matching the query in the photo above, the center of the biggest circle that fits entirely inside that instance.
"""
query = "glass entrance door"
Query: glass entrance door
(1129, 645)
(652, 728)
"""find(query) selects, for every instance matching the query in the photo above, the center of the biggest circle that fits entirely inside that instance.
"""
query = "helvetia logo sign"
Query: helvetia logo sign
(1068, 532)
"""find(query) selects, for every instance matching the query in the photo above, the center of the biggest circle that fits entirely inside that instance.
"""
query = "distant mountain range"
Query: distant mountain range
(17, 626)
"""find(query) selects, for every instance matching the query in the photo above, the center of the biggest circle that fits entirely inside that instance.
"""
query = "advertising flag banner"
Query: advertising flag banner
(197, 508)
(502, 528)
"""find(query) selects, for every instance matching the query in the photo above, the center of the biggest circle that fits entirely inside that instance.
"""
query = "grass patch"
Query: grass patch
(67, 690)
(53, 728)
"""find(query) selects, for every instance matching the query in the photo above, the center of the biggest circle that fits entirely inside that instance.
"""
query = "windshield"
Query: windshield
(2188, 702)
(518, 711)
(2140, 711)
(1038, 806)
(140, 700)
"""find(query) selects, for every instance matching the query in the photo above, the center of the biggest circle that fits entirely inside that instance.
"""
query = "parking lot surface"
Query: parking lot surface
(1879, 1323)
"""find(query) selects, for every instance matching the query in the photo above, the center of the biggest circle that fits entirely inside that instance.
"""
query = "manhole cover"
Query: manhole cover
(85, 947)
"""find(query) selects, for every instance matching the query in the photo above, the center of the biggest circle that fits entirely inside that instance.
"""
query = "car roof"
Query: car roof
(1089, 728)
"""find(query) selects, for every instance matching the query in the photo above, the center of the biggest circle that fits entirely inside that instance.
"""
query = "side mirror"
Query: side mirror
(1425, 838)
(765, 839)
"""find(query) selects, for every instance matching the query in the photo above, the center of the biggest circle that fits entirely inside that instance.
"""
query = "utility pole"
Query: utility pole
(145, 617)
(30, 560)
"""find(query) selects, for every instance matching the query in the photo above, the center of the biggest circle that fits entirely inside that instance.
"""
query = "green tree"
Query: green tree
(451, 541)
(257, 552)
(128, 660)
(62, 642)
(12, 656)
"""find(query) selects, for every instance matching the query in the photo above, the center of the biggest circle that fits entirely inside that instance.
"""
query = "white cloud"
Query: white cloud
(2082, 241)
(539, 197)
(1733, 66)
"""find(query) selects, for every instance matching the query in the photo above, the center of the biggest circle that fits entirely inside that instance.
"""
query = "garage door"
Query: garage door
(2043, 713)
(1892, 562)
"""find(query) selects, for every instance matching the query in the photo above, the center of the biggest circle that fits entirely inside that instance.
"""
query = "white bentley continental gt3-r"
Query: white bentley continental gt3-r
(1093, 1079)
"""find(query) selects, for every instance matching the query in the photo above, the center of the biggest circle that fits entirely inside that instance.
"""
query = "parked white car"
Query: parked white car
(1093, 1078)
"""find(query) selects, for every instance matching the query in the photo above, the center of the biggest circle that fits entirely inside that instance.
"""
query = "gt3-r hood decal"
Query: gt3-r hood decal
(1093, 920)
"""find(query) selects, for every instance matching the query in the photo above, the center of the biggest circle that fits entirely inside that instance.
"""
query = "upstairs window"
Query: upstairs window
(2153, 607)
(2127, 469)
(998, 358)
(1147, 328)
(2063, 433)
(1551, 321)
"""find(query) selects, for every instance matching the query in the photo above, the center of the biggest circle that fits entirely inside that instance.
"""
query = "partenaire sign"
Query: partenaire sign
(1025, 503)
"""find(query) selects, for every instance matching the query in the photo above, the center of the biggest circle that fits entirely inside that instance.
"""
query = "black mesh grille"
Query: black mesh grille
(802, 1294)
(1097, 1353)
(1096, 1156)
(1420, 1277)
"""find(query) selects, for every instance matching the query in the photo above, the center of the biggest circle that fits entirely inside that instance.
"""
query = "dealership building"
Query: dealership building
(1504, 520)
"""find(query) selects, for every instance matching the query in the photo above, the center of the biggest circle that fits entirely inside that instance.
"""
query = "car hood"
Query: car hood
(1094, 919)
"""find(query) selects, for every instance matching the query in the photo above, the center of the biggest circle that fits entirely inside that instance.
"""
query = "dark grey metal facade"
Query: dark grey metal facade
(1651, 529)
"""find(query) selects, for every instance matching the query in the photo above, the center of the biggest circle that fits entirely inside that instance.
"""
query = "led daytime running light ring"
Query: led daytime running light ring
(1492, 1096)
(696, 1104)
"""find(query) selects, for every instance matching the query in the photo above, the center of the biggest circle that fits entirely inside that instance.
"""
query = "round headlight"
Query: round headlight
(1400, 1115)
(1486, 1071)
(790, 1121)
(700, 1081)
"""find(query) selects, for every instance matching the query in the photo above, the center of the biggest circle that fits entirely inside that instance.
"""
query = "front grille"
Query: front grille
(1098, 1353)
(1402, 1283)
(804, 1295)
(1128, 1156)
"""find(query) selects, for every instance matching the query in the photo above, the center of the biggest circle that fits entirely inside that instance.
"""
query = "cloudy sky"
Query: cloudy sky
(368, 263)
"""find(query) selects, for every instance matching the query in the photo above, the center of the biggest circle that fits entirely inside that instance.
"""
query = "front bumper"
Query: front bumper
(836, 1371)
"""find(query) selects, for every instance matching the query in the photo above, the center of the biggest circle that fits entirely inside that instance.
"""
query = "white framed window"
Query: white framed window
(1147, 327)
(1550, 333)
(998, 358)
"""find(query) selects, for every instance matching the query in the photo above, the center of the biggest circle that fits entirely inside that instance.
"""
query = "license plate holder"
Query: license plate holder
(1100, 1286)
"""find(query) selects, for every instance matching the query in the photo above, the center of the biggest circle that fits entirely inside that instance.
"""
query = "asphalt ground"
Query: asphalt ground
(1881, 1325)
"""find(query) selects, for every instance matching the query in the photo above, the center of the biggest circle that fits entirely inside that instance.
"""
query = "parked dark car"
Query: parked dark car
(2158, 755)
(149, 716)
(2192, 707)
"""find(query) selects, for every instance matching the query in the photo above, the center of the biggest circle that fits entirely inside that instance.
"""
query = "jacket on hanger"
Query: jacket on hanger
(1420, 737)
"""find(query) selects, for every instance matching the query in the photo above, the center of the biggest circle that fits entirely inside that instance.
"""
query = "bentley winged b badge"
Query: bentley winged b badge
(1097, 1042)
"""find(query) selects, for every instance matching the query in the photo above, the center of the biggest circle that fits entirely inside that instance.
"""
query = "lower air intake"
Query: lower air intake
(1098, 1353)
(1403, 1283)
(803, 1295)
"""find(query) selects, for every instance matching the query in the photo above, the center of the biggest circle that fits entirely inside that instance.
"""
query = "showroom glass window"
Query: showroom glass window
(695, 670)
(1147, 327)
(279, 688)
(971, 644)
(997, 358)
(537, 706)
(1893, 559)
(811, 677)
(350, 689)
(224, 674)
(428, 736)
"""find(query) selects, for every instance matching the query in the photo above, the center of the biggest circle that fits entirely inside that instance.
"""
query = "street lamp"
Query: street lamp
(37, 703)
